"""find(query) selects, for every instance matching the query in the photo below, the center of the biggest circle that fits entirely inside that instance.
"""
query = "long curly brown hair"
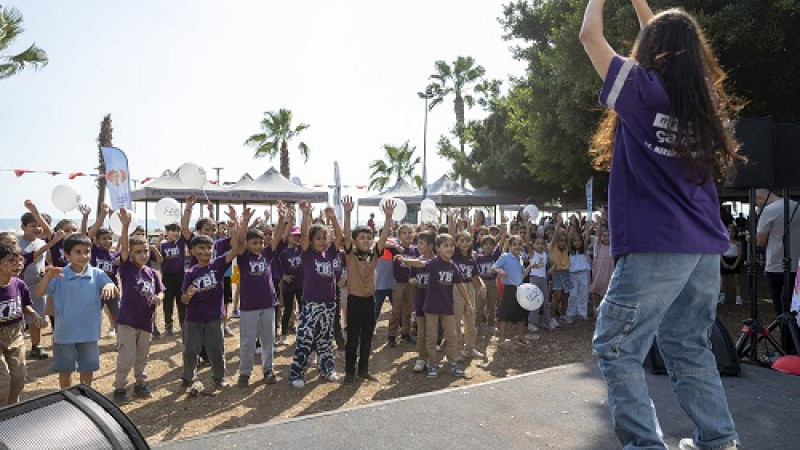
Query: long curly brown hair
(673, 45)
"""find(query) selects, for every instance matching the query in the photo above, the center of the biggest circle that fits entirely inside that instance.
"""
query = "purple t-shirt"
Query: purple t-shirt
(14, 297)
(207, 303)
(401, 271)
(319, 281)
(57, 256)
(652, 206)
(442, 277)
(421, 275)
(104, 260)
(466, 265)
(174, 254)
(139, 285)
(292, 264)
(221, 246)
(255, 280)
(485, 264)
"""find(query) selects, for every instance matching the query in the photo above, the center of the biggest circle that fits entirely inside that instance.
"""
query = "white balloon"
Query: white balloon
(168, 211)
(400, 208)
(532, 211)
(427, 204)
(116, 225)
(66, 197)
(428, 215)
(192, 175)
(529, 296)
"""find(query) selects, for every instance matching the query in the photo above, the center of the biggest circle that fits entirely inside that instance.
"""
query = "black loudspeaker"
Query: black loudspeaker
(787, 154)
(721, 344)
(75, 418)
(757, 138)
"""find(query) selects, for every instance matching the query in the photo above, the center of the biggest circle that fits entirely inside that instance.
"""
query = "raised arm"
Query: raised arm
(46, 230)
(85, 211)
(187, 216)
(388, 211)
(305, 223)
(347, 207)
(101, 218)
(124, 238)
(280, 227)
(643, 12)
(594, 42)
(57, 236)
(330, 214)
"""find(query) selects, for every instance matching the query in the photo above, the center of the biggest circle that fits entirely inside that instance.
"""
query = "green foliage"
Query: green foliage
(399, 163)
(274, 140)
(538, 135)
(10, 29)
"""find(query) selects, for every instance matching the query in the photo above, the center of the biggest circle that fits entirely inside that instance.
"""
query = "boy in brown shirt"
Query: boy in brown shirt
(361, 259)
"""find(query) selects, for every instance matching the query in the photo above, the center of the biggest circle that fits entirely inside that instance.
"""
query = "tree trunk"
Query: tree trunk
(285, 159)
(458, 106)
(103, 140)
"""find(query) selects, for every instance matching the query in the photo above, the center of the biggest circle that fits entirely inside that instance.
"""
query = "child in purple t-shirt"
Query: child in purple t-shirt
(173, 252)
(443, 278)
(106, 260)
(257, 302)
(15, 300)
(426, 242)
(202, 294)
(142, 290)
(319, 296)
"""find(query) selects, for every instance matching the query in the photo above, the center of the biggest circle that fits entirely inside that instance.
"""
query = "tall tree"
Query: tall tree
(399, 163)
(10, 29)
(103, 140)
(277, 132)
(455, 80)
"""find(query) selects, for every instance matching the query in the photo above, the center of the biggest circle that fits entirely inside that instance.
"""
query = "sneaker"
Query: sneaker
(505, 344)
(112, 332)
(456, 370)
(688, 444)
(228, 333)
(243, 381)
(121, 396)
(367, 376)
(258, 350)
(532, 328)
(156, 333)
(185, 383)
(553, 324)
(392, 341)
(298, 384)
(409, 339)
(331, 377)
(221, 383)
(169, 331)
(419, 366)
(493, 331)
(474, 354)
(433, 372)
(235, 314)
(567, 320)
(721, 298)
(269, 377)
(739, 300)
(438, 347)
(522, 342)
(141, 391)
(284, 339)
(37, 352)
(194, 388)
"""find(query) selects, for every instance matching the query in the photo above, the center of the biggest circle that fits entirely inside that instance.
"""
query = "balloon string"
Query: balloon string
(206, 195)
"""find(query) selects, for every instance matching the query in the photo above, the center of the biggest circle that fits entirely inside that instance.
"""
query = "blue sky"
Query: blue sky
(190, 81)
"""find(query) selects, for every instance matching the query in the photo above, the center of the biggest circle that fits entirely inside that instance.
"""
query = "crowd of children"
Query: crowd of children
(309, 278)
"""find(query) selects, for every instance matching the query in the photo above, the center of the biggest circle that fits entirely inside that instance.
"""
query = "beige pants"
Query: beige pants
(464, 311)
(133, 348)
(422, 346)
(486, 305)
(431, 332)
(402, 306)
(12, 363)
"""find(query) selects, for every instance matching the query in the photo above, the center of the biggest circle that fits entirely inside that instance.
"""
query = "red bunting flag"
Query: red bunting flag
(76, 174)
(21, 172)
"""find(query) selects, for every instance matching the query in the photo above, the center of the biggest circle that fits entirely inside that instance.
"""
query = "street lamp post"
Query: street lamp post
(218, 170)
(427, 95)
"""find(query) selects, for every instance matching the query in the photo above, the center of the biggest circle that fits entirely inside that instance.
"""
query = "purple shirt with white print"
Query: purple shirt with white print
(255, 280)
(207, 303)
(442, 278)
(319, 281)
(139, 287)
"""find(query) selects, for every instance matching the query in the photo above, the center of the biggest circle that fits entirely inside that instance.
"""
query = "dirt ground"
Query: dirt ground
(171, 415)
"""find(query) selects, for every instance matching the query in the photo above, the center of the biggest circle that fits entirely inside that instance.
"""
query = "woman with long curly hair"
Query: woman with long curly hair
(670, 142)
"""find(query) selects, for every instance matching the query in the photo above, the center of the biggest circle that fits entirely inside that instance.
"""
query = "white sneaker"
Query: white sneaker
(739, 300)
(567, 320)
(112, 332)
(721, 298)
(332, 377)
(532, 328)
(419, 366)
(298, 384)
(553, 324)
(472, 353)
(688, 444)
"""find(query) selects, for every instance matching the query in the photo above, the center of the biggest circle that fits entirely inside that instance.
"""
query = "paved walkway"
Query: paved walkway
(559, 408)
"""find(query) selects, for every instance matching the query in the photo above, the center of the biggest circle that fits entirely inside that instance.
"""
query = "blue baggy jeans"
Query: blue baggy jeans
(673, 297)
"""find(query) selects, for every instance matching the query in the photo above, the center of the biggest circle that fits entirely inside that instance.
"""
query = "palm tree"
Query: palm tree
(103, 140)
(455, 80)
(10, 28)
(278, 131)
(400, 166)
